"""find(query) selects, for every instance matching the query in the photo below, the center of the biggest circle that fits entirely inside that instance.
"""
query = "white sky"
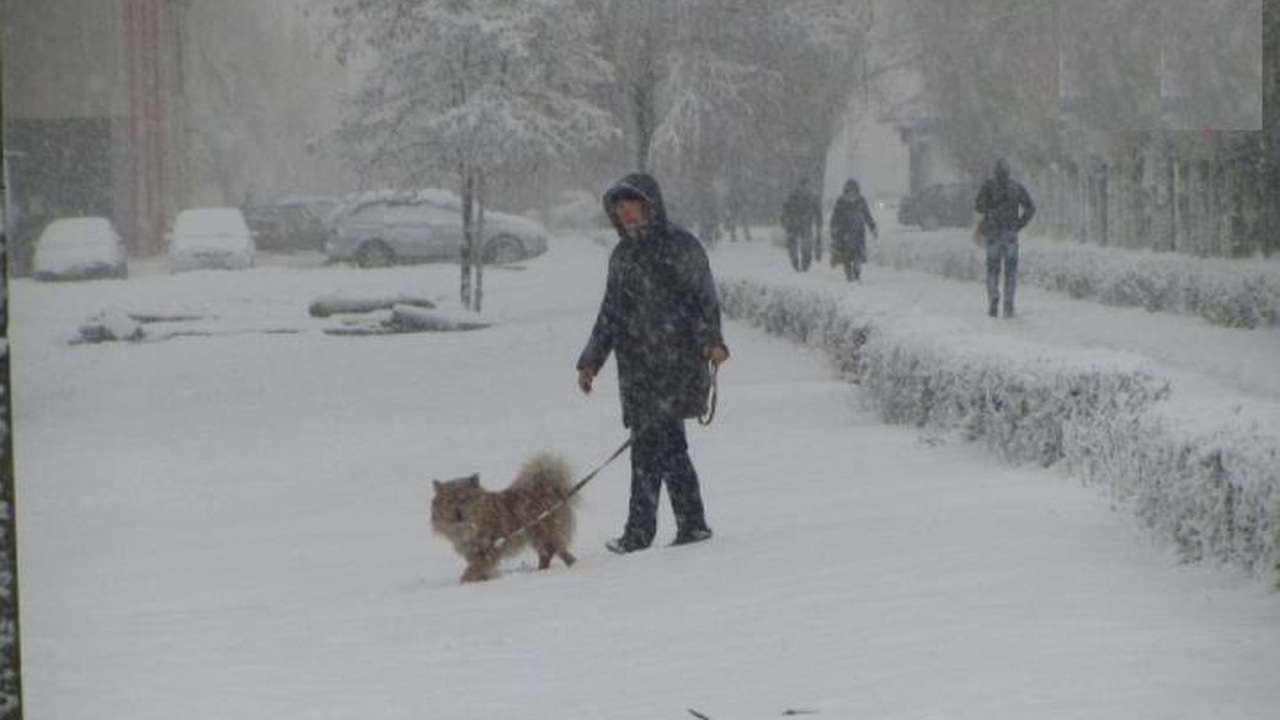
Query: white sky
(236, 525)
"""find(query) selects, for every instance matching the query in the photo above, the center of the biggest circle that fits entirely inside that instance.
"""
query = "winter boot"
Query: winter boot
(692, 536)
(993, 308)
(623, 545)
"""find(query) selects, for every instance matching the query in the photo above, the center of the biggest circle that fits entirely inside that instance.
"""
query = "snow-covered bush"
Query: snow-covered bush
(1214, 492)
(1234, 293)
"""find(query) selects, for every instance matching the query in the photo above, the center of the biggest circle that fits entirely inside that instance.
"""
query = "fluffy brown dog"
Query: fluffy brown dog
(475, 519)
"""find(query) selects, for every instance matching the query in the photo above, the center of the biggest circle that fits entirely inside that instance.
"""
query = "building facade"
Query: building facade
(88, 124)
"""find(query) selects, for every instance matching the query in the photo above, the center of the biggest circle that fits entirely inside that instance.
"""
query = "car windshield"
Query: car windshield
(210, 222)
(76, 232)
(407, 213)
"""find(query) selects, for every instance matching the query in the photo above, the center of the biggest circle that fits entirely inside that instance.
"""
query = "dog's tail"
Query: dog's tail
(548, 470)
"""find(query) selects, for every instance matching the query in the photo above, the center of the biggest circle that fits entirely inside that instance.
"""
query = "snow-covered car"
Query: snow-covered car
(79, 248)
(887, 206)
(386, 229)
(215, 238)
(291, 223)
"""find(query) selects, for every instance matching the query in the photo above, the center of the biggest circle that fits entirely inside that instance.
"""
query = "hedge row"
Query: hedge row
(1107, 420)
(1233, 293)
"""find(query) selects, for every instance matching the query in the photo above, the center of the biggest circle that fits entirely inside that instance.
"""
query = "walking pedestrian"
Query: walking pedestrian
(850, 220)
(802, 222)
(1006, 208)
(660, 317)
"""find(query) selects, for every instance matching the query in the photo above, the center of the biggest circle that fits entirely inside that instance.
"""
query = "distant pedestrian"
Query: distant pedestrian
(850, 221)
(1006, 208)
(802, 222)
(660, 318)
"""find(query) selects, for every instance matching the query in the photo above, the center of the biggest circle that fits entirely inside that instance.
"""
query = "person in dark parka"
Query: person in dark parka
(802, 223)
(850, 220)
(1006, 208)
(660, 317)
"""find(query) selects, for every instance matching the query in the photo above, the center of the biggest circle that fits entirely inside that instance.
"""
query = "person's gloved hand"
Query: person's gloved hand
(716, 354)
(585, 379)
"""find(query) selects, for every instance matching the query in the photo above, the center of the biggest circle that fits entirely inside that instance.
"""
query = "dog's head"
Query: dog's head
(454, 499)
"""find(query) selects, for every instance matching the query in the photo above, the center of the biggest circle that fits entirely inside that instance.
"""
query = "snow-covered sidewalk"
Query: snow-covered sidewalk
(1193, 457)
(235, 525)
(1202, 358)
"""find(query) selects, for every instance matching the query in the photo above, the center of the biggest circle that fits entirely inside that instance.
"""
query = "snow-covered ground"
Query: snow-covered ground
(230, 519)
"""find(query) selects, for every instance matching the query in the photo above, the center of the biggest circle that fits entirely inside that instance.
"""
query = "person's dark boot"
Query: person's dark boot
(992, 308)
(1008, 310)
(623, 545)
(692, 536)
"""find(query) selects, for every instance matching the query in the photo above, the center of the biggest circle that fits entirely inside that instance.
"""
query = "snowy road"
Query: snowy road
(235, 525)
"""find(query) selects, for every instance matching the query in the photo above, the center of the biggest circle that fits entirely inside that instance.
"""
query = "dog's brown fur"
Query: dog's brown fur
(475, 519)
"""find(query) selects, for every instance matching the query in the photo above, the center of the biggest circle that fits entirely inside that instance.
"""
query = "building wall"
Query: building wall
(64, 59)
(85, 120)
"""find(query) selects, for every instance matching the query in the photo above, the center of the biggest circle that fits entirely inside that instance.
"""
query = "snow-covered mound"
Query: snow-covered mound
(1211, 486)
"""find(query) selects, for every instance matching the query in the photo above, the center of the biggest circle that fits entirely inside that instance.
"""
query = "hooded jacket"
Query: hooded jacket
(1005, 203)
(850, 219)
(659, 312)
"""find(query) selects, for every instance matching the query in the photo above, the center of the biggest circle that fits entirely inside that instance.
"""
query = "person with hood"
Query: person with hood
(802, 222)
(1006, 208)
(660, 318)
(850, 220)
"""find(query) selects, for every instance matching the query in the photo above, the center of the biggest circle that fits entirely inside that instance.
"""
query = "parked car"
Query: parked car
(291, 223)
(216, 238)
(79, 248)
(939, 205)
(388, 228)
(886, 206)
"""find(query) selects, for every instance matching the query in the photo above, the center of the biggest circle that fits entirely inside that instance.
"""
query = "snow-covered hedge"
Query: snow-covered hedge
(1214, 491)
(1234, 293)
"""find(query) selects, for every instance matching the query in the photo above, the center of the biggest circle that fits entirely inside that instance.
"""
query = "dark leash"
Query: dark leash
(704, 420)
(712, 392)
(501, 542)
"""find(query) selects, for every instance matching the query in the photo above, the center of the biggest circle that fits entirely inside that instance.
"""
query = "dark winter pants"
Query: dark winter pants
(800, 248)
(660, 453)
(849, 253)
(1002, 249)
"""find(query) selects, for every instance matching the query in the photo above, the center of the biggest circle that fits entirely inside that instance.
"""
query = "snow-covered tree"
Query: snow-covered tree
(472, 88)
(1136, 120)
(251, 91)
(714, 92)
(990, 72)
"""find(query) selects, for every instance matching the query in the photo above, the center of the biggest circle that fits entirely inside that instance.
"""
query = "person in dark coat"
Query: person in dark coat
(1006, 208)
(802, 222)
(850, 220)
(660, 317)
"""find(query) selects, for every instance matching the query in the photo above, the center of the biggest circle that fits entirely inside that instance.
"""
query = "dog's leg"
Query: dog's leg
(544, 559)
(479, 567)
(567, 556)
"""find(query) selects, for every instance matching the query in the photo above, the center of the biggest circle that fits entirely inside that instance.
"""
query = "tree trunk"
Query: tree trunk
(465, 259)
(10, 657)
(643, 98)
(478, 248)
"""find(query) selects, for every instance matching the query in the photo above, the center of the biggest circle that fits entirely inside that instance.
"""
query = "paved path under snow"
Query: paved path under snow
(235, 525)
